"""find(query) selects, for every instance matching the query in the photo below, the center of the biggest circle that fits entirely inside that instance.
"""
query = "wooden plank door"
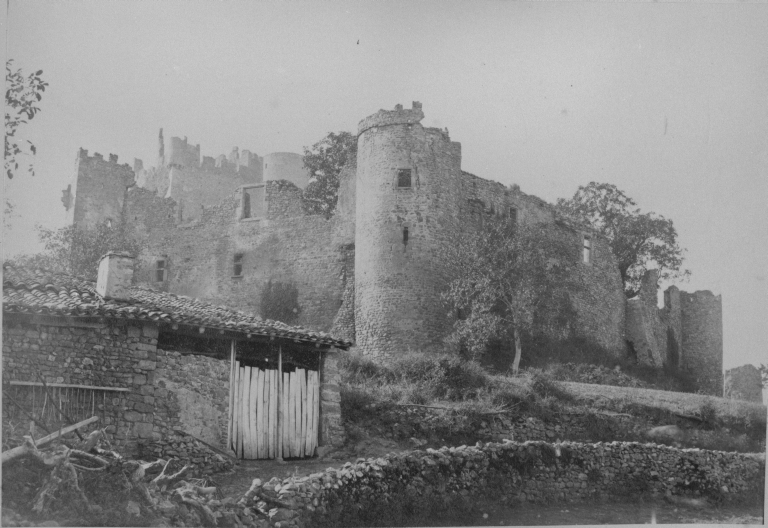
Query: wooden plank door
(258, 405)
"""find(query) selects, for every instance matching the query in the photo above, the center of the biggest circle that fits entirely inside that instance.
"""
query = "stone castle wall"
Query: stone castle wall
(743, 383)
(188, 212)
(687, 333)
(286, 246)
(702, 338)
(98, 189)
(399, 232)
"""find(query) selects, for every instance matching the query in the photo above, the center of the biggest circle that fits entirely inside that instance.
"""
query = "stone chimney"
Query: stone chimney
(115, 276)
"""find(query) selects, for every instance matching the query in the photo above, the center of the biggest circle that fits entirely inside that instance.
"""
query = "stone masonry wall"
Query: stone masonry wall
(191, 394)
(399, 272)
(600, 307)
(531, 471)
(702, 338)
(98, 189)
(332, 432)
(743, 383)
(286, 246)
(95, 354)
(656, 333)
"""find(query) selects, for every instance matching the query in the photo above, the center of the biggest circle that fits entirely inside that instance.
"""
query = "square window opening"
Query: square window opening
(404, 178)
(160, 271)
(237, 265)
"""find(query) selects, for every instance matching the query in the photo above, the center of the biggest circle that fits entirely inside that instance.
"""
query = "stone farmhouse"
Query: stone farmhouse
(221, 229)
(164, 372)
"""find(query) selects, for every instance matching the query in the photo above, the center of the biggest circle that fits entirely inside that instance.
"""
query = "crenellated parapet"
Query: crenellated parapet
(398, 116)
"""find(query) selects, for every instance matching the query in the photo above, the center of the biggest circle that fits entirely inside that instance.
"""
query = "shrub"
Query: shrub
(355, 403)
(708, 414)
(280, 302)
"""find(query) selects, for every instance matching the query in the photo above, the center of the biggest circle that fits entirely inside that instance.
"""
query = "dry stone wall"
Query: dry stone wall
(511, 471)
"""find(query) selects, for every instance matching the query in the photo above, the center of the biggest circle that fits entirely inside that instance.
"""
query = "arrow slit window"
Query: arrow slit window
(587, 250)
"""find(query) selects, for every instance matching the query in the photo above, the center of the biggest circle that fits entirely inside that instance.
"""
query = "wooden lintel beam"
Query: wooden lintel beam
(69, 385)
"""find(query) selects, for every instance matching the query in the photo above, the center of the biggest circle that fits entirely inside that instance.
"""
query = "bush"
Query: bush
(280, 302)
(355, 403)
(708, 414)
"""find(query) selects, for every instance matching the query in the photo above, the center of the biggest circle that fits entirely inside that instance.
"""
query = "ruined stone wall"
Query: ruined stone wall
(94, 354)
(286, 166)
(702, 338)
(97, 191)
(655, 333)
(399, 276)
(600, 305)
(743, 383)
(287, 246)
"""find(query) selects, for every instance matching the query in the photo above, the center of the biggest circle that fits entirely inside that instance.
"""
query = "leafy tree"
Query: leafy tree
(639, 241)
(324, 162)
(510, 279)
(22, 95)
(280, 302)
(77, 251)
(764, 374)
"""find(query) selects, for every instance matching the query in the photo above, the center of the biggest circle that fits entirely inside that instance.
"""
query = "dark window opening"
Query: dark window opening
(246, 205)
(160, 271)
(405, 235)
(631, 352)
(513, 215)
(237, 269)
(587, 250)
(404, 178)
(673, 352)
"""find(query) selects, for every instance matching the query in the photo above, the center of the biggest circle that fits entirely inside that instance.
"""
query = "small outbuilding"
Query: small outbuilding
(158, 367)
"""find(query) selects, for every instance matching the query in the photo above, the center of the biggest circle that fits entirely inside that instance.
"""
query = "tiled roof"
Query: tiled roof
(50, 293)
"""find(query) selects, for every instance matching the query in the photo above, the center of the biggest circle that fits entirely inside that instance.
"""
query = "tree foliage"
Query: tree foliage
(280, 302)
(22, 95)
(764, 374)
(510, 279)
(77, 251)
(639, 241)
(324, 161)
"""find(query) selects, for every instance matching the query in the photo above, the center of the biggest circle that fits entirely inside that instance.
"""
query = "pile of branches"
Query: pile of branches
(84, 479)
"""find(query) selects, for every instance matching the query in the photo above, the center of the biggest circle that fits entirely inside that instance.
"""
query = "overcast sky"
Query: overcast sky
(667, 101)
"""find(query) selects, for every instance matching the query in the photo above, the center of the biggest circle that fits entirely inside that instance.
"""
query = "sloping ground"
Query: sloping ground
(678, 402)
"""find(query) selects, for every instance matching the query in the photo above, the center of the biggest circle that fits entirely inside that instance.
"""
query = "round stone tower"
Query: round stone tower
(408, 195)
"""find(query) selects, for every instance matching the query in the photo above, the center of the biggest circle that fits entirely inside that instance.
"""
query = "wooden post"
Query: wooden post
(280, 404)
(231, 393)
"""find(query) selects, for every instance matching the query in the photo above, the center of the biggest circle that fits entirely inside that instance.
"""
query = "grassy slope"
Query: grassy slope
(678, 402)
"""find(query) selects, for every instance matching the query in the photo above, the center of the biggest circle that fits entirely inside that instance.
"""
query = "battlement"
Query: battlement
(82, 154)
(700, 297)
(398, 116)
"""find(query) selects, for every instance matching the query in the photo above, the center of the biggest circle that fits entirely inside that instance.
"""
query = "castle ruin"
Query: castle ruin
(221, 228)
